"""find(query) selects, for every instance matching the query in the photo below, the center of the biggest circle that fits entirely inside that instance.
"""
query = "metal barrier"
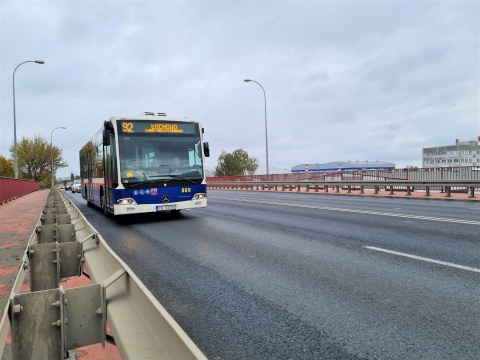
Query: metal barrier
(409, 174)
(390, 185)
(41, 324)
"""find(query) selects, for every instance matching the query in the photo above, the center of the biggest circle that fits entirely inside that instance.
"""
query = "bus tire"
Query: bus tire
(104, 207)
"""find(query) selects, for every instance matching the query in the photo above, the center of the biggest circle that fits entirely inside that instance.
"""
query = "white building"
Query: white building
(462, 153)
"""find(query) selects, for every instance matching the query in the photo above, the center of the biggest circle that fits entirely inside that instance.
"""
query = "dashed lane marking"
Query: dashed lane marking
(468, 268)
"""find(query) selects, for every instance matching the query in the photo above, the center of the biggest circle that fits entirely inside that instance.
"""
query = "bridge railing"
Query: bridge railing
(351, 184)
(12, 188)
(422, 174)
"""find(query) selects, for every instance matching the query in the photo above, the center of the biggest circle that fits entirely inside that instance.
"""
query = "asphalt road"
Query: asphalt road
(302, 276)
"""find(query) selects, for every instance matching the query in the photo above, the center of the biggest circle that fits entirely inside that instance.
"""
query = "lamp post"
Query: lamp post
(14, 116)
(266, 132)
(51, 149)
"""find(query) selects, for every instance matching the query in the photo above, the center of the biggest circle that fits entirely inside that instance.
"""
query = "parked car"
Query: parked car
(68, 185)
(76, 187)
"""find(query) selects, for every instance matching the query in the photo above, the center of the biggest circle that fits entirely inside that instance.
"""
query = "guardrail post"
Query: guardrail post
(326, 188)
(298, 187)
(362, 189)
(290, 187)
(427, 191)
(307, 188)
(316, 188)
(472, 193)
(409, 191)
(337, 188)
(391, 190)
(376, 190)
(447, 190)
(349, 189)
(283, 187)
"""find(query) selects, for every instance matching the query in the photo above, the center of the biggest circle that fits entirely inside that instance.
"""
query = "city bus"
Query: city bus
(145, 163)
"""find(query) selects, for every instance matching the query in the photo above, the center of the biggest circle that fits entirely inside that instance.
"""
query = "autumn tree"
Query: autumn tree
(7, 167)
(236, 163)
(35, 158)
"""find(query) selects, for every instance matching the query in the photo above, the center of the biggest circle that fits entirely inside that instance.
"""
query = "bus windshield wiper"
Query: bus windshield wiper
(184, 178)
(146, 181)
(141, 183)
(174, 177)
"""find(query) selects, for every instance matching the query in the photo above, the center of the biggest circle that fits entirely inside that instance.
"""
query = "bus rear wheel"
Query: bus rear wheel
(104, 207)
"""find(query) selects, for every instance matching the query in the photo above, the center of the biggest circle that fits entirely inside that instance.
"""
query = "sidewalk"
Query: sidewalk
(17, 222)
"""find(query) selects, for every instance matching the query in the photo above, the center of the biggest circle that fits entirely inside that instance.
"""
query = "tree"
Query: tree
(35, 158)
(7, 168)
(236, 163)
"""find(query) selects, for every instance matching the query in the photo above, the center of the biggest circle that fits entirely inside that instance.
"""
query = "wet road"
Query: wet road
(276, 276)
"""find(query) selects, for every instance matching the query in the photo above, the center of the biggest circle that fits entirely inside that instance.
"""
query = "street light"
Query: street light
(51, 148)
(266, 132)
(14, 117)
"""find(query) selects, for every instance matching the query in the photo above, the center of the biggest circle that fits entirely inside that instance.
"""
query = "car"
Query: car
(76, 186)
(68, 185)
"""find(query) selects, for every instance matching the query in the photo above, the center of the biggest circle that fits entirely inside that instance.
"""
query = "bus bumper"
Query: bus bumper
(149, 208)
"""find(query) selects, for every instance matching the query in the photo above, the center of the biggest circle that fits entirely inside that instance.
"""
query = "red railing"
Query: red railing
(12, 188)
(443, 173)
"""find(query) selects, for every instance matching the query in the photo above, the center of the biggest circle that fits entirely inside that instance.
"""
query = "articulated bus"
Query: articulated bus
(145, 163)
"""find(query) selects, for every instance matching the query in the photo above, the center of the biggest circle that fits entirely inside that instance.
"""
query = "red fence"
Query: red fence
(425, 174)
(12, 188)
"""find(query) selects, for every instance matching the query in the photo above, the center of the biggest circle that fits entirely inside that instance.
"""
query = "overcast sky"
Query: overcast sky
(344, 80)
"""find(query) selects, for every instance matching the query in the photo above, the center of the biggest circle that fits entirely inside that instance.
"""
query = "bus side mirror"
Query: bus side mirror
(107, 131)
(106, 137)
(206, 149)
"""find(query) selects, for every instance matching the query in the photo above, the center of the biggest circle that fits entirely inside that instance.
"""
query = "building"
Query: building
(462, 153)
(344, 165)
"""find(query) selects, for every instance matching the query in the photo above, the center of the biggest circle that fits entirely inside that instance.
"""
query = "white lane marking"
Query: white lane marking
(458, 221)
(424, 259)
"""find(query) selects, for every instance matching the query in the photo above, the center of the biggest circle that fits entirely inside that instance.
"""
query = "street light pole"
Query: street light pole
(14, 116)
(51, 149)
(266, 131)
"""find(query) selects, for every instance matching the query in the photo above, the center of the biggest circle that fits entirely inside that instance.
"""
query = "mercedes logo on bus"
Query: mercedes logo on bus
(165, 198)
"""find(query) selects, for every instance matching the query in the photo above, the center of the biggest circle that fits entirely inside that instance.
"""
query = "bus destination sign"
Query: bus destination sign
(157, 127)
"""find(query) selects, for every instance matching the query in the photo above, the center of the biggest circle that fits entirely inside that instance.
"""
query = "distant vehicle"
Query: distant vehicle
(145, 163)
(68, 185)
(77, 186)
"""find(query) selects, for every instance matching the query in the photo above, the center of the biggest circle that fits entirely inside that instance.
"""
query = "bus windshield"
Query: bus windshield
(145, 157)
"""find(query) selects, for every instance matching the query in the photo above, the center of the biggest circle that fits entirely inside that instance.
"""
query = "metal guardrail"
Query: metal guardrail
(410, 174)
(390, 185)
(42, 326)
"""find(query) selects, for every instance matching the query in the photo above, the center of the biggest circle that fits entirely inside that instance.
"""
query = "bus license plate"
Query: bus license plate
(166, 207)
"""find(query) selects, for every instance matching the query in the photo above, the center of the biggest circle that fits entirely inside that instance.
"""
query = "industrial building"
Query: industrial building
(462, 153)
(344, 166)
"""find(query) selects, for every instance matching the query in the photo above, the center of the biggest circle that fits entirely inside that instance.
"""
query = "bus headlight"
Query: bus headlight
(199, 196)
(126, 201)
